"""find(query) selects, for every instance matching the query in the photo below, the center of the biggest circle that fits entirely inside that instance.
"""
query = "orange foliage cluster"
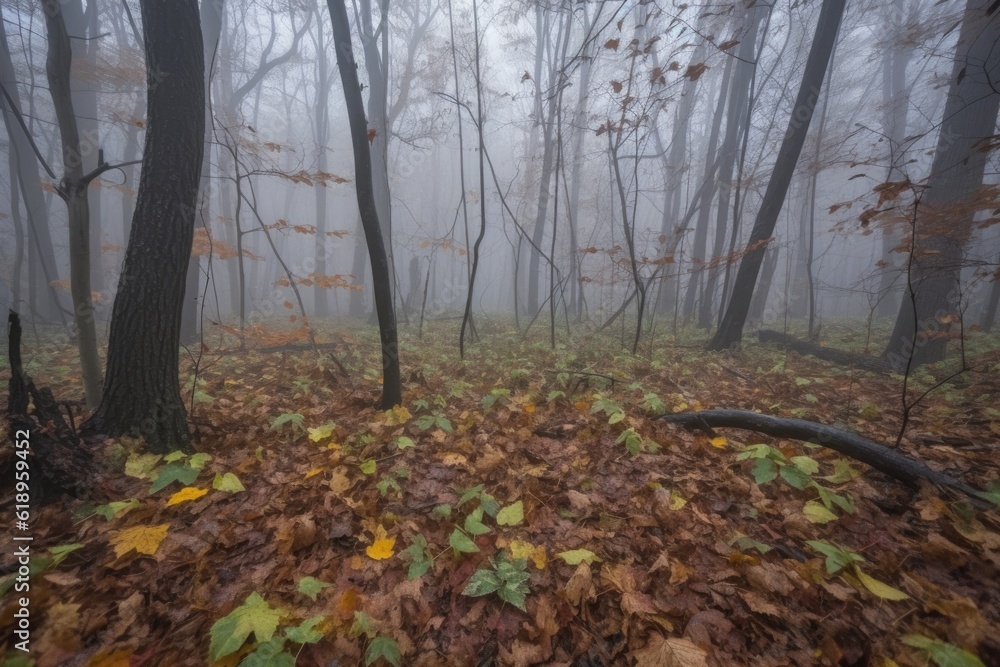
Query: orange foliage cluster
(314, 178)
(324, 281)
(204, 246)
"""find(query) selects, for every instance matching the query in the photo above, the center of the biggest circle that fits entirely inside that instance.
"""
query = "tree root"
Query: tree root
(894, 464)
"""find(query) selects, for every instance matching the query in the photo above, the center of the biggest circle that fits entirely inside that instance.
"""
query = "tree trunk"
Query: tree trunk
(738, 98)
(990, 313)
(381, 276)
(141, 388)
(895, 99)
(41, 255)
(731, 329)
(321, 294)
(74, 190)
(700, 245)
(943, 219)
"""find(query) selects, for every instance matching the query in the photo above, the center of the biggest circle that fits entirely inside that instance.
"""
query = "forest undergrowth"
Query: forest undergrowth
(523, 508)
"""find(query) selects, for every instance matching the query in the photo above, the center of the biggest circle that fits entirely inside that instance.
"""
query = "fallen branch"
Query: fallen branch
(862, 361)
(892, 463)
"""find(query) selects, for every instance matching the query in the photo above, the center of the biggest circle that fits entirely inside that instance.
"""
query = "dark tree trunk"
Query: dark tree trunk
(74, 189)
(943, 220)
(141, 387)
(381, 278)
(759, 302)
(731, 329)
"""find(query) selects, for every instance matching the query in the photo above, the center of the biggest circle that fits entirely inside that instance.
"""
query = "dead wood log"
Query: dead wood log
(894, 464)
(862, 361)
(60, 462)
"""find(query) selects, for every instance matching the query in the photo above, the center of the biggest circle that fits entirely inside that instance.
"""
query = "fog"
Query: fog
(553, 78)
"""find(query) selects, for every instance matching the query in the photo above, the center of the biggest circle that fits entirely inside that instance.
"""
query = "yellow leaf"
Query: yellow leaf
(881, 589)
(313, 472)
(144, 539)
(321, 433)
(397, 416)
(522, 549)
(186, 494)
(718, 441)
(529, 408)
(381, 549)
(677, 501)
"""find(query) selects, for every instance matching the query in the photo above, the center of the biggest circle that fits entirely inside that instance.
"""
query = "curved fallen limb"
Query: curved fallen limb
(895, 464)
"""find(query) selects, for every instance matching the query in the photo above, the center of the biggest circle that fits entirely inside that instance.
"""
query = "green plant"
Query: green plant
(293, 419)
(507, 578)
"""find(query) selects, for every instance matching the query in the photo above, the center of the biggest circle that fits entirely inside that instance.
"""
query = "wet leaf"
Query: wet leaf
(254, 616)
(144, 539)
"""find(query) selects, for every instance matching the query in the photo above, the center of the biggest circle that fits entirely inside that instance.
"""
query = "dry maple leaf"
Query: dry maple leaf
(670, 652)
(144, 539)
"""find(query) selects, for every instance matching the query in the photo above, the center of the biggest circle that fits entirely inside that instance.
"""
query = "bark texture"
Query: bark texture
(141, 386)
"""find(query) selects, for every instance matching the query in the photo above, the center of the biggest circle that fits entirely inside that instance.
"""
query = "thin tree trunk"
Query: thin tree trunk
(74, 190)
(381, 276)
(731, 330)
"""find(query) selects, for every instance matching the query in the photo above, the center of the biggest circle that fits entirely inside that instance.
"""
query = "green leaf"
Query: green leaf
(253, 616)
(199, 460)
(474, 523)
(229, 483)
(174, 472)
(368, 467)
(482, 582)
(577, 556)
(402, 442)
(418, 556)
(764, 471)
(879, 588)
(443, 424)
(806, 464)
(311, 586)
(296, 421)
(489, 504)
(745, 543)
(60, 552)
(837, 558)
(511, 515)
(141, 465)
(943, 653)
(304, 632)
(269, 654)
(441, 512)
(817, 513)
(176, 455)
(111, 510)
(758, 452)
(461, 542)
(616, 417)
(842, 472)
(469, 494)
(383, 647)
(363, 625)
(794, 476)
(553, 395)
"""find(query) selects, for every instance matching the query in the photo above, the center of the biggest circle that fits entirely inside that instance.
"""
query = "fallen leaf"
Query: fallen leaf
(186, 494)
(144, 539)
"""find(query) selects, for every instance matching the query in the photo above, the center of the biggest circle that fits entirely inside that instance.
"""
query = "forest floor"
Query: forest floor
(313, 529)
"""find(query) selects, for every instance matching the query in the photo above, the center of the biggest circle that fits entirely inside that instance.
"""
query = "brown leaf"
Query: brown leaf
(670, 652)
(371, 135)
(616, 86)
(612, 44)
